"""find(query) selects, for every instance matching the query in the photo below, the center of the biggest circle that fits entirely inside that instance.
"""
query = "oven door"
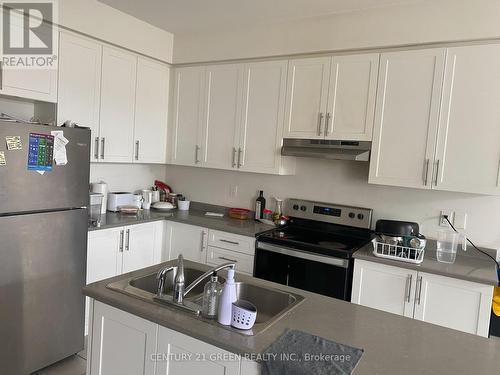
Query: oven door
(329, 276)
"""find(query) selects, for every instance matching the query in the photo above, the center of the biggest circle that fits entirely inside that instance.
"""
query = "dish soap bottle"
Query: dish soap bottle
(260, 205)
(227, 298)
(211, 295)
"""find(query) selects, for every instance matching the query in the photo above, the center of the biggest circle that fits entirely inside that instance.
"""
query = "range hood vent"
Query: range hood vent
(326, 149)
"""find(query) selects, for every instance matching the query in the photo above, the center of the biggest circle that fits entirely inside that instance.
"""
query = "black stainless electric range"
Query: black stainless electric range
(314, 251)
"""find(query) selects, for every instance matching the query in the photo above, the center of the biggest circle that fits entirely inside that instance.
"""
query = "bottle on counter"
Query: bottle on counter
(211, 297)
(226, 300)
(260, 206)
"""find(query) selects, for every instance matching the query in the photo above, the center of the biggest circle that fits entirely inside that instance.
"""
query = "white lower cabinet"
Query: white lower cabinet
(183, 355)
(445, 301)
(113, 251)
(122, 343)
(185, 239)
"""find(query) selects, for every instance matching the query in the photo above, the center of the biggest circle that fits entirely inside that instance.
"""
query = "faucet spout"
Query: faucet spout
(207, 275)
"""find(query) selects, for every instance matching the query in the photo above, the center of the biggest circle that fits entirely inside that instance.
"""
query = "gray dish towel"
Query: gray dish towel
(298, 353)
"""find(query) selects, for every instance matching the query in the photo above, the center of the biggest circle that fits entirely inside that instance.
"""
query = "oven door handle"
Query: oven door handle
(338, 262)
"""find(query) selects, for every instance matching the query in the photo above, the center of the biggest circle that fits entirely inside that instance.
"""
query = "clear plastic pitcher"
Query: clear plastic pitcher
(447, 243)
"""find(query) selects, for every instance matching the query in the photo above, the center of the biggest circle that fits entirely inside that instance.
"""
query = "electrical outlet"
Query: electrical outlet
(460, 219)
(233, 191)
(442, 220)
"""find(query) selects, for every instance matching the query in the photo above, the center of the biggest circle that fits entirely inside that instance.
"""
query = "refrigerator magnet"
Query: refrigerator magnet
(2, 158)
(13, 143)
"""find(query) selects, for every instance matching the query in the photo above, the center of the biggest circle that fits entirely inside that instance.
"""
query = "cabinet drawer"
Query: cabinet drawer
(231, 241)
(244, 262)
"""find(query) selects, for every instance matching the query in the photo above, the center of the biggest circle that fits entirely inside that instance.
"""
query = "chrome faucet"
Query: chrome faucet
(180, 290)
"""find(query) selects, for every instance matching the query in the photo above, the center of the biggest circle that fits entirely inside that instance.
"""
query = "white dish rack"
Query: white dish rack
(398, 252)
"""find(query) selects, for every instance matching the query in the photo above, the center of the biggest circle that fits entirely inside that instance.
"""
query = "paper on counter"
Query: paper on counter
(60, 142)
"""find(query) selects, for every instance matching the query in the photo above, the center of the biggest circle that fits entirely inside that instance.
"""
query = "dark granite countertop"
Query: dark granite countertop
(195, 216)
(393, 345)
(469, 266)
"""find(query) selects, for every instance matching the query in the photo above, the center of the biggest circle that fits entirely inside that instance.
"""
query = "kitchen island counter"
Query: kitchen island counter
(392, 344)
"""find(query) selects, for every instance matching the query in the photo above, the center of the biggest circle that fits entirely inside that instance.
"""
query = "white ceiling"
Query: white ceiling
(187, 16)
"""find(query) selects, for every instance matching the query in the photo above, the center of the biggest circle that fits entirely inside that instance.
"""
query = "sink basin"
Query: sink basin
(271, 303)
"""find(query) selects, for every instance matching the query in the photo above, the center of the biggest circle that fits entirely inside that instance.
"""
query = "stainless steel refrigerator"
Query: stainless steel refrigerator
(43, 246)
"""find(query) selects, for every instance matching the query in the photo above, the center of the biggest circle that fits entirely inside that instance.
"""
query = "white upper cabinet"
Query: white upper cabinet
(406, 118)
(151, 111)
(80, 84)
(260, 133)
(222, 114)
(189, 94)
(36, 84)
(307, 95)
(351, 97)
(468, 147)
(118, 86)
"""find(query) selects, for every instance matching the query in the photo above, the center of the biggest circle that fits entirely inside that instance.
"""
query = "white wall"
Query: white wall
(127, 177)
(101, 21)
(342, 182)
(420, 22)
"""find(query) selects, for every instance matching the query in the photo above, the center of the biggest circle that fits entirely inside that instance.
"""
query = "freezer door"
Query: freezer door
(23, 190)
(42, 272)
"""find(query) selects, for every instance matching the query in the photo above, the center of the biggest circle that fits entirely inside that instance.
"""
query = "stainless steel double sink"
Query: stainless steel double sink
(271, 303)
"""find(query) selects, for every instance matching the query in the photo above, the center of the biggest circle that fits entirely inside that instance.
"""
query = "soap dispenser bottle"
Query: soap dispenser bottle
(211, 296)
(226, 300)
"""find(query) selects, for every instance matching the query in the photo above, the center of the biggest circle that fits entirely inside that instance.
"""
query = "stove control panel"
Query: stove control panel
(329, 213)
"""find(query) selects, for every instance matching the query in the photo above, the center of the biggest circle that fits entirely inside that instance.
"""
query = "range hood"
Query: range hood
(327, 149)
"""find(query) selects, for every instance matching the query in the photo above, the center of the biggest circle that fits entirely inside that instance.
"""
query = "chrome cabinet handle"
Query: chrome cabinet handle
(121, 241)
(426, 171)
(202, 247)
(228, 259)
(103, 143)
(327, 123)
(127, 242)
(408, 287)
(96, 148)
(320, 119)
(231, 242)
(437, 173)
(239, 158)
(196, 150)
(136, 150)
(234, 158)
(1, 75)
(419, 289)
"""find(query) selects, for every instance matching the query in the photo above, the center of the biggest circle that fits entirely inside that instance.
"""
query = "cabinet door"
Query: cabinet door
(151, 108)
(29, 83)
(188, 240)
(406, 118)
(453, 303)
(222, 116)
(262, 118)
(80, 85)
(184, 355)
(384, 287)
(122, 343)
(306, 99)
(117, 105)
(104, 254)
(468, 149)
(351, 97)
(139, 247)
(189, 96)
